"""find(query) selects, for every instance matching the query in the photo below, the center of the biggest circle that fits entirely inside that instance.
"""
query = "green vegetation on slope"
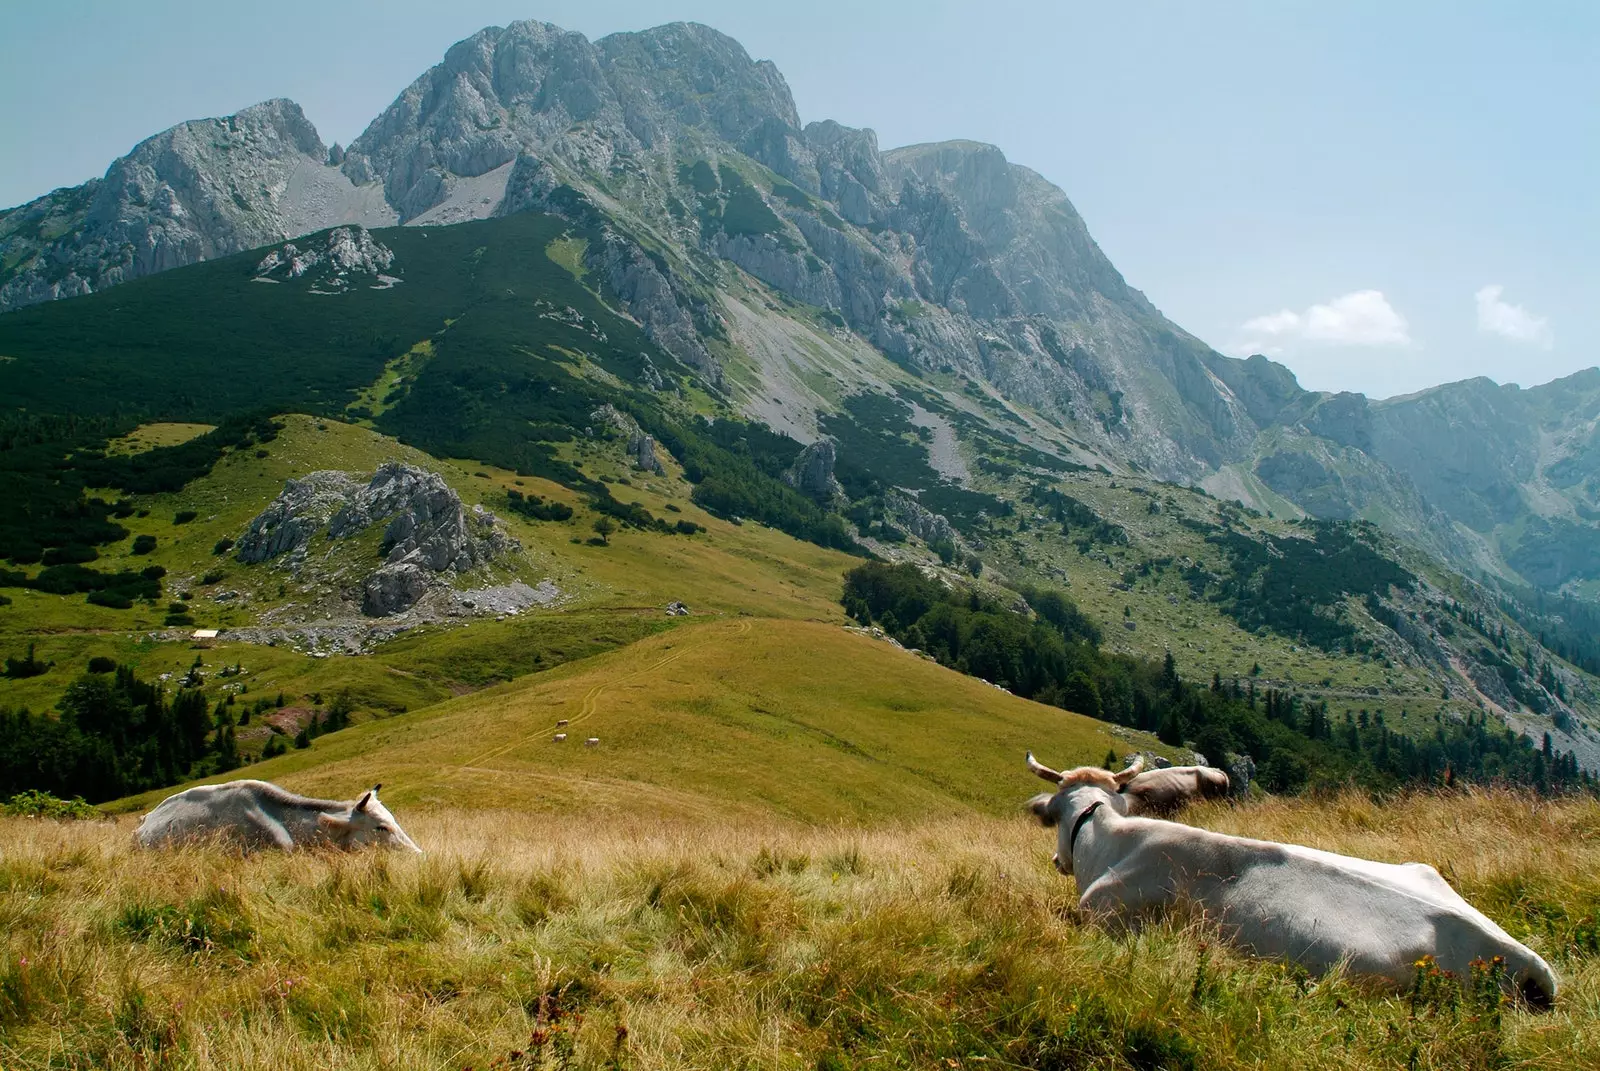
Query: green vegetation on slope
(1055, 658)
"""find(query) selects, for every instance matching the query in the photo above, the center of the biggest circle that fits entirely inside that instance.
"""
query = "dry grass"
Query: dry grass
(641, 943)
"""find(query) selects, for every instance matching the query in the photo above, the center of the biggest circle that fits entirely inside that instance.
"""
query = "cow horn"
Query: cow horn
(1131, 772)
(1042, 770)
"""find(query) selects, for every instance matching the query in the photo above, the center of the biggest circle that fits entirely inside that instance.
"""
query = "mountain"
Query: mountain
(200, 190)
(555, 256)
(691, 164)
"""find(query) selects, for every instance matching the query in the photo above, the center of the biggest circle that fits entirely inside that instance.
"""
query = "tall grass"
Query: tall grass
(523, 942)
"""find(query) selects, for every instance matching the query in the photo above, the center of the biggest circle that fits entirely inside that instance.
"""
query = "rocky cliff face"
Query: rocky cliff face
(200, 190)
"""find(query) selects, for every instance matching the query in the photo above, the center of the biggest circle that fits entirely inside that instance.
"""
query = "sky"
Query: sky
(1381, 196)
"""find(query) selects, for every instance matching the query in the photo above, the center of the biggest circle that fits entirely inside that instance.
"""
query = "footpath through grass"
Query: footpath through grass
(553, 941)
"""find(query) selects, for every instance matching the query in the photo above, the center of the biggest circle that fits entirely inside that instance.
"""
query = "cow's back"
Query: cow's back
(239, 810)
(1322, 910)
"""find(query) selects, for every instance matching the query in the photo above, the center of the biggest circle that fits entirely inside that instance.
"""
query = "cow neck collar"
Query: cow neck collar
(1077, 826)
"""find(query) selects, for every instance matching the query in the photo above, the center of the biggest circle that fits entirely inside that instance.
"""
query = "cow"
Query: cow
(560, 738)
(1156, 793)
(1283, 901)
(258, 814)
(593, 741)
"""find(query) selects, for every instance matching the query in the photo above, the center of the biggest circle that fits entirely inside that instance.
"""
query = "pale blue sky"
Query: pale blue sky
(1341, 185)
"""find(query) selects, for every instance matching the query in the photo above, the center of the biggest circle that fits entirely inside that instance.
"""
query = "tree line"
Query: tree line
(1053, 656)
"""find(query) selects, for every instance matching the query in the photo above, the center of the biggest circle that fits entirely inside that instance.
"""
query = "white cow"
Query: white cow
(1158, 793)
(1313, 908)
(259, 814)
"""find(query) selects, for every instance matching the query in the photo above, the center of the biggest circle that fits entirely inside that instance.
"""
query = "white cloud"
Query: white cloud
(1510, 321)
(1359, 318)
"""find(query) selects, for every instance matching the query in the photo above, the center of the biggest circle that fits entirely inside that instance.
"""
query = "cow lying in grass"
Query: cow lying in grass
(257, 814)
(1310, 907)
(1156, 793)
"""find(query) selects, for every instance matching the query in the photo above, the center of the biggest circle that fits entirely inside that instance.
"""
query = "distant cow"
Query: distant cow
(560, 738)
(1156, 793)
(1310, 907)
(258, 814)
(593, 741)
(562, 724)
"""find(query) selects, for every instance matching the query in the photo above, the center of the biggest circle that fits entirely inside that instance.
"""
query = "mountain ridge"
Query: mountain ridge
(689, 162)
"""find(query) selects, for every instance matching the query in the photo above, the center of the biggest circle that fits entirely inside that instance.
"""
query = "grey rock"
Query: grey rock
(918, 519)
(200, 190)
(812, 473)
(1241, 771)
(302, 508)
(394, 588)
(642, 448)
(427, 532)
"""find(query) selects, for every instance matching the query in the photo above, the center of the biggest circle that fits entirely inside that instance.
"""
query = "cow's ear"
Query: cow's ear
(1040, 806)
(365, 801)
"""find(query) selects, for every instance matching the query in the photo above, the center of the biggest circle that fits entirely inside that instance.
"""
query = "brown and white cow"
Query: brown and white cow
(1157, 793)
(1285, 901)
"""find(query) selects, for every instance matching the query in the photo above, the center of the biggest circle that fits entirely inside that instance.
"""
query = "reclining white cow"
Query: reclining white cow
(1157, 793)
(1310, 907)
(258, 814)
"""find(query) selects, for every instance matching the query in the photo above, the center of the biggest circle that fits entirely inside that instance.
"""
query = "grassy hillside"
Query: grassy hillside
(619, 937)
(739, 717)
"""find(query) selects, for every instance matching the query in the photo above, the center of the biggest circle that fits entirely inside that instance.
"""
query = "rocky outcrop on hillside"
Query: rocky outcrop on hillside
(641, 447)
(918, 519)
(427, 535)
(812, 473)
(345, 256)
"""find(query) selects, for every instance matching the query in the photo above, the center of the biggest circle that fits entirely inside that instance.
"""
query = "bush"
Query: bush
(102, 664)
(36, 804)
(184, 516)
(111, 598)
(71, 554)
(144, 544)
(222, 546)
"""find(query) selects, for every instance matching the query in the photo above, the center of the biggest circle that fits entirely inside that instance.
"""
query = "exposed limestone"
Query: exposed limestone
(346, 252)
(918, 519)
(812, 473)
(427, 533)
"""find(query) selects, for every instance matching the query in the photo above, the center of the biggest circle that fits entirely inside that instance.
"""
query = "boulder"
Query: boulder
(394, 588)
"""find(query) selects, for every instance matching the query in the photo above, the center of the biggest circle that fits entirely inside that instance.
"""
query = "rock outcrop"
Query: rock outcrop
(641, 447)
(918, 519)
(343, 257)
(812, 473)
(427, 533)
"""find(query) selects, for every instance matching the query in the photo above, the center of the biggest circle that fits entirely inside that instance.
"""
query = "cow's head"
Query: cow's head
(369, 822)
(1076, 791)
